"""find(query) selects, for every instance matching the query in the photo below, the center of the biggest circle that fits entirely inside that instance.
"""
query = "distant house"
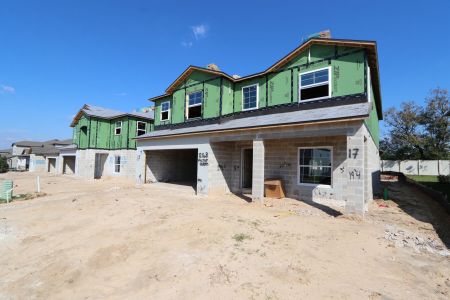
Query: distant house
(37, 156)
(104, 142)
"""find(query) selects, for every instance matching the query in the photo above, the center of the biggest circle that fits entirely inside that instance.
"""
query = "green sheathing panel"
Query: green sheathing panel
(119, 141)
(211, 98)
(261, 81)
(158, 110)
(372, 122)
(81, 134)
(279, 91)
(347, 78)
(227, 97)
(196, 77)
(177, 111)
(348, 74)
(101, 133)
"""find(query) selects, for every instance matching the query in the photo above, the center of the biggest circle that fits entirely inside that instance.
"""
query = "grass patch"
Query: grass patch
(240, 237)
(24, 197)
(433, 183)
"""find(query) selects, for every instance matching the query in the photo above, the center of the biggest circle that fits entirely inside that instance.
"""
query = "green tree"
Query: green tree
(3, 165)
(416, 132)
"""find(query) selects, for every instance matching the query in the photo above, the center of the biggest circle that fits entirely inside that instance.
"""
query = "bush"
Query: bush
(3, 165)
(444, 178)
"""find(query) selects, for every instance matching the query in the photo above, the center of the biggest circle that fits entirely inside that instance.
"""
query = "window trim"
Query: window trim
(257, 97)
(194, 105)
(330, 86)
(315, 184)
(117, 164)
(137, 127)
(115, 128)
(168, 112)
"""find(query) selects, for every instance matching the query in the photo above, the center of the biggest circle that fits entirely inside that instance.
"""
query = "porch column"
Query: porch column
(258, 170)
(354, 190)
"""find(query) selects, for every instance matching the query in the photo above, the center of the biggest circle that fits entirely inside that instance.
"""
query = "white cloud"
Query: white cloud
(187, 44)
(199, 31)
(6, 89)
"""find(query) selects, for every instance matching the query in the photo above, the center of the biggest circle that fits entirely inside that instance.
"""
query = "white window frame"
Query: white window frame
(117, 164)
(257, 96)
(115, 128)
(298, 167)
(193, 105)
(330, 85)
(137, 127)
(168, 111)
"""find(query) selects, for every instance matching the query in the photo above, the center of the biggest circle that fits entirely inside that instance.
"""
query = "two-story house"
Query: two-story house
(104, 142)
(310, 120)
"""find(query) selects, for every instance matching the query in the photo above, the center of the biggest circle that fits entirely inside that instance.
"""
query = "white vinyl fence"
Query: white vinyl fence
(417, 167)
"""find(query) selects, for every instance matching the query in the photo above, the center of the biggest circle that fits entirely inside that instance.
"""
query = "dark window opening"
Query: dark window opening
(164, 115)
(195, 112)
(314, 92)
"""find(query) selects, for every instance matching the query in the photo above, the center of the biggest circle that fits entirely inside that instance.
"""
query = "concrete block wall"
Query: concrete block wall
(371, 166)
(417, 167)
(37, 163)
(220, 167)
(354, 191)
(85, 163)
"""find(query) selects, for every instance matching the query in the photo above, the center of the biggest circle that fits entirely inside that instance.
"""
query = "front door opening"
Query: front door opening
(247, 168)
(100, 160)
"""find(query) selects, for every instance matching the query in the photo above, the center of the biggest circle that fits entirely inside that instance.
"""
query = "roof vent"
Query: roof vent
(213, 67)
(236, 76)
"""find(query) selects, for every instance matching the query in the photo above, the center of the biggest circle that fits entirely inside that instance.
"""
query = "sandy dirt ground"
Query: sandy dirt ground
(109, 239)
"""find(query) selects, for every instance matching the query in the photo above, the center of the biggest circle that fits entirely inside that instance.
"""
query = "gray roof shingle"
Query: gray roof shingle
(107, 113)
(293, 117)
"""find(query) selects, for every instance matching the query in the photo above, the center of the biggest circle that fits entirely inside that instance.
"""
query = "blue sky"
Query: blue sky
(56, 56)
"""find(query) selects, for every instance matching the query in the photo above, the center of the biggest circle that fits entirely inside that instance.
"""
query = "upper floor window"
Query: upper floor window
(315, 84)
(250, 97)
(118, 129)
(195, 105)
(140, 128)
(165, 111)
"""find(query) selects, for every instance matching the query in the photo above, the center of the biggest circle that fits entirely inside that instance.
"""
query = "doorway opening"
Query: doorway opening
(246, 168)
(100, 161)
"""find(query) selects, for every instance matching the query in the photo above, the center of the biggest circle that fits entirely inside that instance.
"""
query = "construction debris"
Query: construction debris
(404, 239)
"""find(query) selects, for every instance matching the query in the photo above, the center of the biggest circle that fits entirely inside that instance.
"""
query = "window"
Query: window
(195, 105)
(315, 85)
(165, 111)
(140, 128)
(314, 166)
(250, 97)
(118, 129)
(117, 164)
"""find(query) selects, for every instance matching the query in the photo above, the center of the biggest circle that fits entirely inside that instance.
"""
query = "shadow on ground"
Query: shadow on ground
(421, 207)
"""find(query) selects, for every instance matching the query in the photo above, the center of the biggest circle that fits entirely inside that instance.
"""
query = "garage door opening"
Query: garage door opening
(172, 166)
(69, 165)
